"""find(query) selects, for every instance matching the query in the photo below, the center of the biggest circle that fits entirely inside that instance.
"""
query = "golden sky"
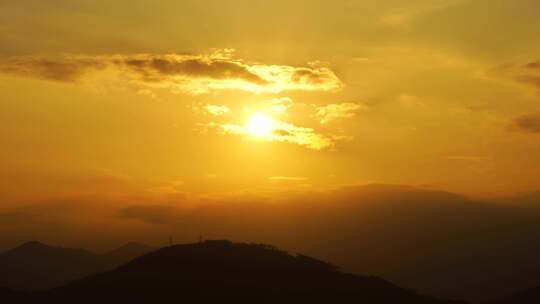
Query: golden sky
(347, 130)
(209, 97)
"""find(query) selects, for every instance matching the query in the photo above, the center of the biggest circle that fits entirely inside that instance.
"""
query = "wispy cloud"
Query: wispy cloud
(216, 110)
(193, 74)
(280, 105)
(153, 214)
(287, 178)
(282, 132)
(403, 15)
(528, 73)
(528, 123)
(335, 111)
(67, 69)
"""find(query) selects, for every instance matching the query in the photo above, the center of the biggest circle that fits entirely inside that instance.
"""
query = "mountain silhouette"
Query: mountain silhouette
(222, 271)
(36, 266)
(10, 296)
(126, 253)
(527, 296)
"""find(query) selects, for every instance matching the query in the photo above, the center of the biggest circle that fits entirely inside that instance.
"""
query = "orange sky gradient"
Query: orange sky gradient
(125, 103)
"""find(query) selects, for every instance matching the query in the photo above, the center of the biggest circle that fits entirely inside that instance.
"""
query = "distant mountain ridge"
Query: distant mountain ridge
(205, 272)
(222, 271)
(35, 266)
(526, 296)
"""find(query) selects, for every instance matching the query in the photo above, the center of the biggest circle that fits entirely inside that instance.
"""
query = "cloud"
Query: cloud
(64, 182)
(155, 214)
(282, 132)
(287, 178)
(66, 69)
(306, 137)
(401, 16)
(193, 74)
(528, 73)
(528, 123)
(280, 105)
(468, 158)
(335, 111)
(217, 110)
(14, 218)
(533, 65)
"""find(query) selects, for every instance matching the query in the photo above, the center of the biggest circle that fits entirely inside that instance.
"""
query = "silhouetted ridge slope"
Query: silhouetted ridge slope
(15, 297)
(220, 270)
(126, 253)
(33, 249)
(527, 296)
(36, 266)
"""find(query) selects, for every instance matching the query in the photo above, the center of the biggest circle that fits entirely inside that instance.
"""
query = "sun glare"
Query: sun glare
(260, 125)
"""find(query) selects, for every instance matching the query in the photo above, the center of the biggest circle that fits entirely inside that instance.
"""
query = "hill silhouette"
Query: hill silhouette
(221, 271)
(436, 242)
(126, 253)
(527, 296)
(36, 266)
(10, 296)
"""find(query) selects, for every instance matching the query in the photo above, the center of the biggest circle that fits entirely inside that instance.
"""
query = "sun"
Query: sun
(260, 125)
